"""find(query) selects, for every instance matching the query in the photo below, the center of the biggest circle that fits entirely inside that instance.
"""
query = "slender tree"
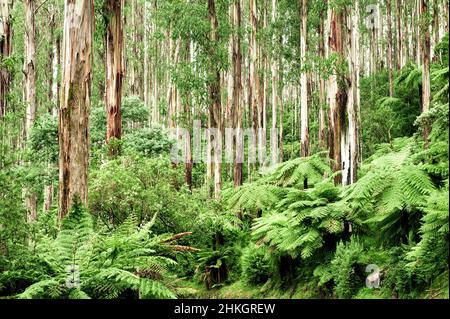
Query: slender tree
(237, 91)
(304, 127)
(425, 55)
(322, 128)
(29, 66)
(215, 109)
(114, 69)
(253, 77)
(336, 96)
(389, 48)
(5, 51)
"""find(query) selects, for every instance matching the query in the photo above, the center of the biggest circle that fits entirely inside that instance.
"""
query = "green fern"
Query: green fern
(107, 264)
(301, 220)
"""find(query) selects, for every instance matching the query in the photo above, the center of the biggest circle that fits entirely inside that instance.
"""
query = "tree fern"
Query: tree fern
(301, 220)
(105, 264)
(393, 185)
(434, 229)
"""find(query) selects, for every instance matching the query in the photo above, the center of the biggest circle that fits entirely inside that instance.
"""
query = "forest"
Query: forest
(209, 149)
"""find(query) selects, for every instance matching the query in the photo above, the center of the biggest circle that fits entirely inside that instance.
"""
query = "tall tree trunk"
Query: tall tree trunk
(52, 96)
(146, 62)
(29, 93)
(353, 102)
(253, 89)
(389, 48)
(446, 16)
(187, 112)
(237, 93)
(56, 77)
(435, 27)
(114, 70)
(418, 41)
(5, 51)
(263, 95)
(321, 133)
(134, 71)
(281, 102)
(29, 66)
(154, 102)
(274, 72)
(337, 98)
(400, 55)
(425, 55)
(215, 110)
(304, 133)
(275, 97)
(75, 103)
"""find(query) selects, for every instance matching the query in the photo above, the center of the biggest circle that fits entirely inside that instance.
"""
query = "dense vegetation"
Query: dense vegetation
(157, 229)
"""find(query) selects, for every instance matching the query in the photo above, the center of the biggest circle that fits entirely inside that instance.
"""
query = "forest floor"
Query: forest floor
(240, 290)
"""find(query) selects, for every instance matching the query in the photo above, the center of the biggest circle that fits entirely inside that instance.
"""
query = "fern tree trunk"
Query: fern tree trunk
(75, 103)
(114, 70)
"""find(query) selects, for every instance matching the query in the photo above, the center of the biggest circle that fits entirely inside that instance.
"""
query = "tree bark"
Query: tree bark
(425, 55)
(304, 129)
(337, 98)
(389, 48)
(274, 72)
(75, 103)
(253, 89)
(322, 132)
(5, 51)
(29, 89)
(146, 62)
(400, 55)
(237, 93)
(114, 69)
(435, 27)
(215, 110)
(29, 67)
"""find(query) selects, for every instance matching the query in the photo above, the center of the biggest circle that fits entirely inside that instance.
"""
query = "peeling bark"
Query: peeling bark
(114, 69)
(75, 103)
(304, 127)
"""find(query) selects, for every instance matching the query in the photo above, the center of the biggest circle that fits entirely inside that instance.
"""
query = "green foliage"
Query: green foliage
(430, 256)
(302, 220)
(258, 265)
(148, 142)
(344, 263)
(44, 139)
(393, 188)
(83, 263)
